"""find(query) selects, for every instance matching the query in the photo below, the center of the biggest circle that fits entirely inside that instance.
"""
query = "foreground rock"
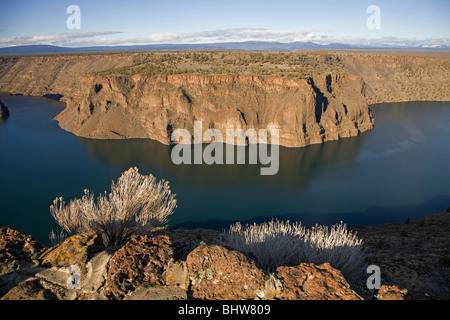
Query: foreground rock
(392, 293)
(310, 282)
(45, 274)
(414, 255)
(218, 273)
(196, 264)
(142, 260)
(167, 265)
(18, 258)
(75, 250)
(17, 250)
(30, 290)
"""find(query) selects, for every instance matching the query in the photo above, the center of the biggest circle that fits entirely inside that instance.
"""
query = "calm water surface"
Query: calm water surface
(398, 170)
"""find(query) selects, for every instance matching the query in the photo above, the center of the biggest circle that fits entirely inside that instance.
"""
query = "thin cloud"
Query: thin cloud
(110, 38)
(211, 36)
(52, 39)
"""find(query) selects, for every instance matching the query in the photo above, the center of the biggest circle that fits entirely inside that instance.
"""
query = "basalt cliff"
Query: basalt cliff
(305, 111)
(322, 107)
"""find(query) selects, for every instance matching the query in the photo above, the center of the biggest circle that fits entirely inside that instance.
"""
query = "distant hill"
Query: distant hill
(248, 45)
(35, 49)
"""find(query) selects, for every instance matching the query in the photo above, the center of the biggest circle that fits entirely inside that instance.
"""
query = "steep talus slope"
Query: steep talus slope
(52, 75)
(395, 78)
(305, 111)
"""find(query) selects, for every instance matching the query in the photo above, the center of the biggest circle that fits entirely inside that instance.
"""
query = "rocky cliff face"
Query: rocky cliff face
(326, 107)
(305, 111)
(4, 111)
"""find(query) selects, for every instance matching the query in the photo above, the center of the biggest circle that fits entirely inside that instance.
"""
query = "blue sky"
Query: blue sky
(195, 21)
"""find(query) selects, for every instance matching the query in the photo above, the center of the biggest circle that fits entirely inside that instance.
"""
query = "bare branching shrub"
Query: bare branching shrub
(278, 243)
(338, 246)
(271, 243)
(135, 205)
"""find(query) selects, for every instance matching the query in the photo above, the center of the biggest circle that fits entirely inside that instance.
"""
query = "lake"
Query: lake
(398, 170)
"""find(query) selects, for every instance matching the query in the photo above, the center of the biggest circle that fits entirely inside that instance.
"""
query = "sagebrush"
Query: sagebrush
(136, 204)
(277, 243)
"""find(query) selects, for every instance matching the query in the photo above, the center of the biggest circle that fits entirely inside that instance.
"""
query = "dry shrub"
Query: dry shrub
(135, 205)
(278, 243)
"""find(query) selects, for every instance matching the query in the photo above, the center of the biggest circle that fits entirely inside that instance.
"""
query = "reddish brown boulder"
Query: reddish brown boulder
(311, 282)
(16, 249)
(391, 293)
(218, 273)
(186, 240)
(142, 260)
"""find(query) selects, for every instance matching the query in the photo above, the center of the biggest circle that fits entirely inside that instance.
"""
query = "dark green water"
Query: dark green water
(398, 170)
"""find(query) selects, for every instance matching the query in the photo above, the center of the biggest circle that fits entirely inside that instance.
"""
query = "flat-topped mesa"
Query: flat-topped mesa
(323, 108)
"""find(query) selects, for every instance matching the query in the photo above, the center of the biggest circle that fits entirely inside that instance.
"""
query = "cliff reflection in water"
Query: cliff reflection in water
(296, 165)
(399, 163)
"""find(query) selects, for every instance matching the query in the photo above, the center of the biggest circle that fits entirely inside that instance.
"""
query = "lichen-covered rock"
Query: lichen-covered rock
(176, 275)
(142, 260)
(311, 282)
(75, 250)
(218, 273)
(16, 250)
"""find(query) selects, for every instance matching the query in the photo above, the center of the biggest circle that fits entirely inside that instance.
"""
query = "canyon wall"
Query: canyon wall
(52, 75)
(306, 111)
(398, 78)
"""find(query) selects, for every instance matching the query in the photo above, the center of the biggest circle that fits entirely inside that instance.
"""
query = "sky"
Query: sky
(136, 22)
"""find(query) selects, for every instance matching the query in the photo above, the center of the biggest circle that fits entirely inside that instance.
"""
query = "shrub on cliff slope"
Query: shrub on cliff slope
(278, 243)
(135, 204)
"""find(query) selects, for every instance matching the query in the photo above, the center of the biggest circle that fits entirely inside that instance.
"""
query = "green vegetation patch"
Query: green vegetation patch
(281, 64)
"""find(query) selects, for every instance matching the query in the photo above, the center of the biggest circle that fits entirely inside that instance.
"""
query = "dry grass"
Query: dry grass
(278, 243)
(280, 64)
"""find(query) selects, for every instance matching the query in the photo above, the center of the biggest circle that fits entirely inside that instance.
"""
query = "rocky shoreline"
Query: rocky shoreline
(187, 264)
